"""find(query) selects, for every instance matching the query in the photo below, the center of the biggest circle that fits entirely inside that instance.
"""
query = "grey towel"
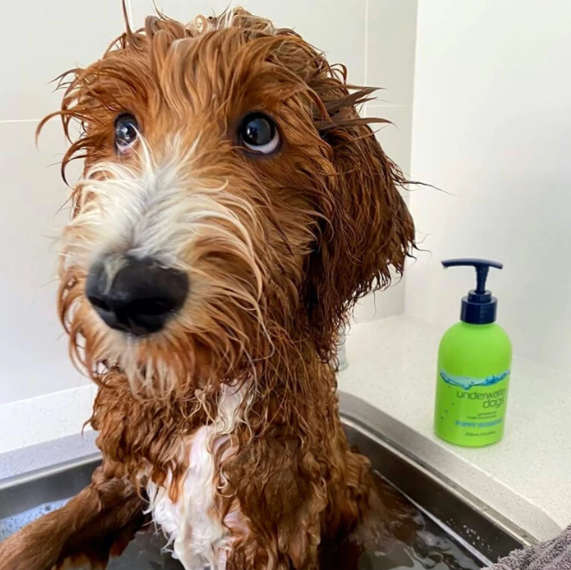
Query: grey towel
(554, 554)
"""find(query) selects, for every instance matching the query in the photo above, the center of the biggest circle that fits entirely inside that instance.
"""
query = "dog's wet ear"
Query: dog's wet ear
(369, 231)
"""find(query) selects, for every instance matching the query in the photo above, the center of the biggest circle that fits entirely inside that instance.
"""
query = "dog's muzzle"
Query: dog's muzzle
(140, 298)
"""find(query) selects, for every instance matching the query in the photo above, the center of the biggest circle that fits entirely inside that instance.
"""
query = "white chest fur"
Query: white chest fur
(193, 525)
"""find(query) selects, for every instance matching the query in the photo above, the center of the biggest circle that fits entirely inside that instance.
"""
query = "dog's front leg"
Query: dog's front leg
(94, 525)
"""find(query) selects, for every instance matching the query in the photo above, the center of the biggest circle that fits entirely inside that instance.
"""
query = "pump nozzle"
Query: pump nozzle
(479, 307)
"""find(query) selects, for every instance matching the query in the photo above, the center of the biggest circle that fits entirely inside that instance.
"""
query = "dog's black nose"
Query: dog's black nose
(141, 296)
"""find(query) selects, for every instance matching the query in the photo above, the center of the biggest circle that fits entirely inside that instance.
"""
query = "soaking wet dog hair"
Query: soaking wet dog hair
(232, 209)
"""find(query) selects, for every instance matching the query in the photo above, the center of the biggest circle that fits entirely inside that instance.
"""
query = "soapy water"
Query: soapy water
(10, 525)
(417, 542)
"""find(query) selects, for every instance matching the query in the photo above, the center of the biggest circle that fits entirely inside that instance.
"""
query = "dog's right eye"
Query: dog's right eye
(126, 132)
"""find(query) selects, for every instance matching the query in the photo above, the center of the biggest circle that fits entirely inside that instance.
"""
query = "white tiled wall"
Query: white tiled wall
(32, 361)
(390, 53)
(374, 38)
(50, 38)
(492, 128)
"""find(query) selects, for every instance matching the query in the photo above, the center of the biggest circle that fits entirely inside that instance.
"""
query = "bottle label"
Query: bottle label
(471, 410)
(468, 382)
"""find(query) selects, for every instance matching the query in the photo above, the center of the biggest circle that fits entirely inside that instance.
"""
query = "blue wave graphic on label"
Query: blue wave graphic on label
(467, 382)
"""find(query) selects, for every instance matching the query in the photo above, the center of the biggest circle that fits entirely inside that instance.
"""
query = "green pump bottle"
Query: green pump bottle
(474, 366)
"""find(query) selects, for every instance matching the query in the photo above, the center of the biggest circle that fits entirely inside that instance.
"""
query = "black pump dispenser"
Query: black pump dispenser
(478, 307)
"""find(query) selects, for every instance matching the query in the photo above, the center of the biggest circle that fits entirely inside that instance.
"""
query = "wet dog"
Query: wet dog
(233, 208)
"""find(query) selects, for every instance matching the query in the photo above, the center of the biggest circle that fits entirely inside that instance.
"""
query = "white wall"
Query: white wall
(60, 35)
(39, 41)
(492, 127)
(390, 54)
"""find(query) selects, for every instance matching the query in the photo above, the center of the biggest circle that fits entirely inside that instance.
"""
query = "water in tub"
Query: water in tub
(417, 543)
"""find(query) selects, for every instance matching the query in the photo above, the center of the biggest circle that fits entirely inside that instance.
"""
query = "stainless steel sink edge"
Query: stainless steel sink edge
(27, 491)
(55, 469)
(47, 453)
(354, 413)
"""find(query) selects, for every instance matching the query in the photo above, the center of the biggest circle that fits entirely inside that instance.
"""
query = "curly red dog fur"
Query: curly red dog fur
(237, 389)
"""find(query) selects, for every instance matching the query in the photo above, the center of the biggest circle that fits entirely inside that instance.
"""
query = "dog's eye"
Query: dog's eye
(126, 132)
(259, 133)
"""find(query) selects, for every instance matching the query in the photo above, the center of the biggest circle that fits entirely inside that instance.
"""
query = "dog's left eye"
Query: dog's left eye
(259, 133)
(126, 132)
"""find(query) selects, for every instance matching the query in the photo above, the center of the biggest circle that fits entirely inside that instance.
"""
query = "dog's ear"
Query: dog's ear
(367, 232)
